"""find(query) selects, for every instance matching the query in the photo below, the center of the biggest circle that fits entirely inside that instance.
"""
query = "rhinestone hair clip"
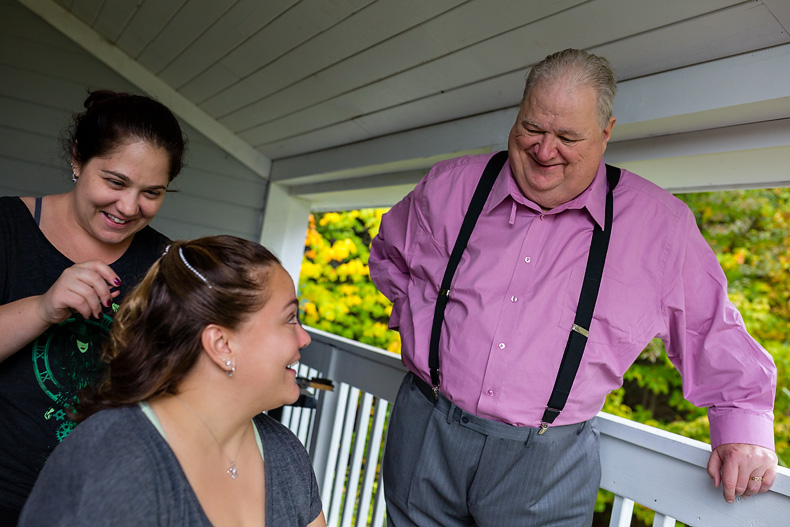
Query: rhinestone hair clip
(183, 259)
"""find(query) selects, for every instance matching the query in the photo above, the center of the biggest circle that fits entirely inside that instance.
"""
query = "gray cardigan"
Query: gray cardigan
(116, 469)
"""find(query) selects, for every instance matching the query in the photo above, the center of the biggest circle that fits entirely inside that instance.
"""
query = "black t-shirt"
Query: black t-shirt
(40, 382)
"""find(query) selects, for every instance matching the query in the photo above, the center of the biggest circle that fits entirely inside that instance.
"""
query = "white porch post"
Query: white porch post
(284, 228)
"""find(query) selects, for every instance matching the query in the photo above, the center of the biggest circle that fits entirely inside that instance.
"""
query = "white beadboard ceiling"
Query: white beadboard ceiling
(330, 86)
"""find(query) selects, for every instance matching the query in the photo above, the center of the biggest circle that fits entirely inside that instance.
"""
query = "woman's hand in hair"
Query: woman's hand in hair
(83, 288)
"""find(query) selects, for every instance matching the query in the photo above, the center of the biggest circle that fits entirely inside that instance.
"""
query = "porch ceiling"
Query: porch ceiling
(350, 100)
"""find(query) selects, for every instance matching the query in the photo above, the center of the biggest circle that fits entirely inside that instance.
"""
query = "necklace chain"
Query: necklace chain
(232, 471)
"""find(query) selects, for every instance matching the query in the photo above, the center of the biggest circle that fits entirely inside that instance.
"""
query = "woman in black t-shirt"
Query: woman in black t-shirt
(65, 262)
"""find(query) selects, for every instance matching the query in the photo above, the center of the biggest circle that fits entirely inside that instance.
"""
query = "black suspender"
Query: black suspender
(577, 339)
(574, 349)
(470, 219)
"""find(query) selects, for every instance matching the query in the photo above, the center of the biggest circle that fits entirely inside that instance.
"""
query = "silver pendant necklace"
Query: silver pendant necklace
(232, 471)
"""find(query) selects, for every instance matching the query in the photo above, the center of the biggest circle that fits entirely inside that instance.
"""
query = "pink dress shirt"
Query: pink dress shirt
(514, 297)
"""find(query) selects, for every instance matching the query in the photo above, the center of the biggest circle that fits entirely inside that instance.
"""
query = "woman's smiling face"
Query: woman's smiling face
(119, 194)
(268, 343)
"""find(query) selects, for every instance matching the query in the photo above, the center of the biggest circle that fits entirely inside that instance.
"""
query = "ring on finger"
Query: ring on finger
(756, 478)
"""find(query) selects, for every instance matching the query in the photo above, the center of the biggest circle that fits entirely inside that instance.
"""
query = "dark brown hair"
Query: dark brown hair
(156, 336)
(112, 118)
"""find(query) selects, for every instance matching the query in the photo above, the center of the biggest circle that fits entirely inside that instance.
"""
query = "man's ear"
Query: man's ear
(215, 340)
(607, 132)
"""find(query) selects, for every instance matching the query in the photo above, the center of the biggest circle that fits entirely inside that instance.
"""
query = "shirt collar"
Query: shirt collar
(593, 198)
(504, 186)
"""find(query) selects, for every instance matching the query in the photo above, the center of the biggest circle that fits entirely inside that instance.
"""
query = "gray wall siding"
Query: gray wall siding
(43, 79)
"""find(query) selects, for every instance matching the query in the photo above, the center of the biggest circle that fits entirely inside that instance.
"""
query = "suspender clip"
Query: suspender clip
(435, 383)
(580, 330)
(543, 428)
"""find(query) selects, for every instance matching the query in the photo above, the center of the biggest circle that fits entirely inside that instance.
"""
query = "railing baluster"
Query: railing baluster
(292, 415)
(286, 416)
(334, 444)
(355, 468)
(343, 457)
(660, 520)
(303, 424)
(622, 511)
(320, 446)
(380, 509)
(310, 421)
(372, 463)
(293, 420)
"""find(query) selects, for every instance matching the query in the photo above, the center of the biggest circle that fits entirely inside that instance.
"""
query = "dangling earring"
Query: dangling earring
(232, 369)
(73, 174)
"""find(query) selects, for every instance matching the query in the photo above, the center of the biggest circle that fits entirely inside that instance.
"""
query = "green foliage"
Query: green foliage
(335, 287)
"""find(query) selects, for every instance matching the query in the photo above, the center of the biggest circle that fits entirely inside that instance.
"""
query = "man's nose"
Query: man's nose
(545, 148)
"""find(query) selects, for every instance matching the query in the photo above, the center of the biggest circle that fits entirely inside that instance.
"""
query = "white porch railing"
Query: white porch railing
(345, 436)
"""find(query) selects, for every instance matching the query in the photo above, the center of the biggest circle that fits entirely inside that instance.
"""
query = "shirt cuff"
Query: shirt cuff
(728, 425)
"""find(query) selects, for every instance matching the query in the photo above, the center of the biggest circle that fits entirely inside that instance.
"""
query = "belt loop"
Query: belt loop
(450, 412)
(528, 440)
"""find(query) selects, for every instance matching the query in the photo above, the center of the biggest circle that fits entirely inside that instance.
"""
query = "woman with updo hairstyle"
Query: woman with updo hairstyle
(66, 261)
(174, 435)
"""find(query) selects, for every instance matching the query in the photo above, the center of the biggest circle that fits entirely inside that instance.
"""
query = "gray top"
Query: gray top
(117, 469)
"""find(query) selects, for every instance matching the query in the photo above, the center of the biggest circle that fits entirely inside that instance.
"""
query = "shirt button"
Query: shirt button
(514, 299)
(490, 392)
(527, 259)
(542, 217)
(501, 345)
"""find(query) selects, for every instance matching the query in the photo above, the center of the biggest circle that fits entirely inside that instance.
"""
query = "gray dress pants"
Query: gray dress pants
(446, 467)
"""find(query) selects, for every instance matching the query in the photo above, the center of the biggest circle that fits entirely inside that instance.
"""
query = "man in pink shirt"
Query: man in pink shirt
(495, 425)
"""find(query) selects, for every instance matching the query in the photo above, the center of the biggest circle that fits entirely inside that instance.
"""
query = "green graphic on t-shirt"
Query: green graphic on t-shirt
(66, 358)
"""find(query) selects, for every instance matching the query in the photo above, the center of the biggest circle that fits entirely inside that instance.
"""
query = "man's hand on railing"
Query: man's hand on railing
(744, 469)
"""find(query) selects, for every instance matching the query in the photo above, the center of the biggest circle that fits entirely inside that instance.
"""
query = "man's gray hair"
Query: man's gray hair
(581, 69)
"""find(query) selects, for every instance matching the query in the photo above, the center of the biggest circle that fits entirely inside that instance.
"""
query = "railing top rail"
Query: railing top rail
(371, 369)
(352, 346)
(682, 448)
